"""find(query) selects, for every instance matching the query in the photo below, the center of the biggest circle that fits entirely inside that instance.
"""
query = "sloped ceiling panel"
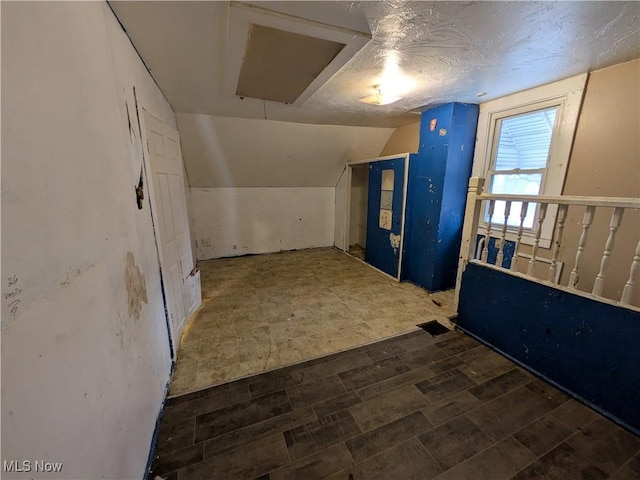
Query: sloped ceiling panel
(238, 152)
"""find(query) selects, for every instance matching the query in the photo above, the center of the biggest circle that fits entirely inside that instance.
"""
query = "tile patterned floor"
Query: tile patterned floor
(265, 311)
(357, 251)
(411, 407)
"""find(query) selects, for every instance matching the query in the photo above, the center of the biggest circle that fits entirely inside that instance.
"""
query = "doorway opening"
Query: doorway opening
(358, 210)
(374, 196)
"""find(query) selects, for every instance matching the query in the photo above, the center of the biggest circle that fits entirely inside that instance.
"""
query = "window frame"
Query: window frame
(567, 96)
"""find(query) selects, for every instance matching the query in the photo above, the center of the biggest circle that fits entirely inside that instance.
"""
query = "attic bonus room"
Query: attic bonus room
(308, 240)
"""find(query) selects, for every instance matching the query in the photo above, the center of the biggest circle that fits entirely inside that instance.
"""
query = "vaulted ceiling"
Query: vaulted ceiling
(434, 51)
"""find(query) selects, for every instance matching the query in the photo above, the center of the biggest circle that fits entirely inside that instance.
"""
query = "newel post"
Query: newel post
(469, 229)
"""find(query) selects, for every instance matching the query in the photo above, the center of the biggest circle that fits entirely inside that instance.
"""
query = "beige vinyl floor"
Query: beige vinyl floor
(266, 311)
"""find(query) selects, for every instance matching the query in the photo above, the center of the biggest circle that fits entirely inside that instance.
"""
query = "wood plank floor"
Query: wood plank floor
(410, 407)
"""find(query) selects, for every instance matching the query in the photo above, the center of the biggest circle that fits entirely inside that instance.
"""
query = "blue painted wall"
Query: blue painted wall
(492, 253)
(379, 252)
(589, 348)
(436, 196)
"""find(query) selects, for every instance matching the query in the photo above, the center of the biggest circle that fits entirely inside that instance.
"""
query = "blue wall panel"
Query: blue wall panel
(436, 197)
(427, 171)
(461, 145)
(380, 252)
(589, 348)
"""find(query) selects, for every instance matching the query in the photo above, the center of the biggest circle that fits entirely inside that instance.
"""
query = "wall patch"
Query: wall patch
(136, 287)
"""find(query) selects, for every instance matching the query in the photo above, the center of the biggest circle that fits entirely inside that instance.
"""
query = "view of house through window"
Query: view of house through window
(519, 161)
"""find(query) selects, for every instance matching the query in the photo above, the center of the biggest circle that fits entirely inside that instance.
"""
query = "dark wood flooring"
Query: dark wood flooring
(411, 407)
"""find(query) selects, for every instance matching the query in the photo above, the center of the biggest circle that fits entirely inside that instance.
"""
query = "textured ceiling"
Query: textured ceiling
(446, 51)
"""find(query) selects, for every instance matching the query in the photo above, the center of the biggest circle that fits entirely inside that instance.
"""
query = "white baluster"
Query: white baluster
(478, 252)
(487, 236)
(562, 217)
(627, 293)
(507, 211)
(536, 243)
(523, 213)
(587, 220)
(616, 218)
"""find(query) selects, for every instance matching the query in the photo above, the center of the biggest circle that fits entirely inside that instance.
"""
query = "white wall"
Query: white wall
(85, 360)
(227, 222)
(240, 152)
(252, 180)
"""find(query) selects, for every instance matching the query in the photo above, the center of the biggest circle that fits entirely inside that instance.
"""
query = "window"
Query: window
(519, 160)
(523, 148)
(386, 199)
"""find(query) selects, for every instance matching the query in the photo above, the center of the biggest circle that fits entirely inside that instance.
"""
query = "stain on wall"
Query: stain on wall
(136, 287)
(394, 240)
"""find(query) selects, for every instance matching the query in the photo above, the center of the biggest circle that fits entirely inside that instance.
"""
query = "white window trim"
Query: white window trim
(567, 94)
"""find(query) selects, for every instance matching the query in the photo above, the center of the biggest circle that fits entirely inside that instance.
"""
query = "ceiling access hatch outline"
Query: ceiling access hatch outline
(242, 17)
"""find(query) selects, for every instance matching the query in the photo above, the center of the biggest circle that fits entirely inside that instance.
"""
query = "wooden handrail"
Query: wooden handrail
(474, 217)
(614, 202)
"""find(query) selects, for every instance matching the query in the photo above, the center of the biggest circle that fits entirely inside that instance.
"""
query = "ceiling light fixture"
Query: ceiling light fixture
(393, 80)
(392, 83)
(379, 98)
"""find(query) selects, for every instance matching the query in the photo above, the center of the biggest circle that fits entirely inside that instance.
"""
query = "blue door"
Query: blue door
(384, 214)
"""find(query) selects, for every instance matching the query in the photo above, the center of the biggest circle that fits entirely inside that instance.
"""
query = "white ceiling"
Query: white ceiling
(451, 50)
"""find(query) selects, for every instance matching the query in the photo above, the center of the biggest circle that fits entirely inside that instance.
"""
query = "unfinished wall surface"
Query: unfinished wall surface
(227, 222)
(85, 353)
(605, 161)
(402, 140)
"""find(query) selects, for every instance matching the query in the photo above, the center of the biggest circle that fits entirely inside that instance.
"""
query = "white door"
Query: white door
(182, 290)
